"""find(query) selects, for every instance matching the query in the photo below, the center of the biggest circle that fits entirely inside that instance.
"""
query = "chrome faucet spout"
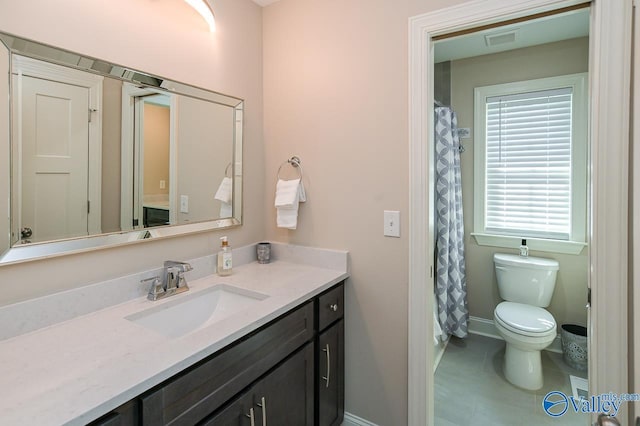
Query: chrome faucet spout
(173, 280)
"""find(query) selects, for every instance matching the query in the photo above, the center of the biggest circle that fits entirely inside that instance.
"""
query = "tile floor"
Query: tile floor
(470, 388)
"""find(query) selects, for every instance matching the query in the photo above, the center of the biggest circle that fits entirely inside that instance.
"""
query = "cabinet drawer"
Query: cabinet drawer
(198, 392)
(330, 306)
(125, 415)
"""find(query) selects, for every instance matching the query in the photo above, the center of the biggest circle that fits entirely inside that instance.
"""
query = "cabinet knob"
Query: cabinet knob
(334, 307)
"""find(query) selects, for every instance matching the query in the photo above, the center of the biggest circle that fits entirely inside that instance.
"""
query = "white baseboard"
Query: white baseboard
(353, 420)
(486, 327)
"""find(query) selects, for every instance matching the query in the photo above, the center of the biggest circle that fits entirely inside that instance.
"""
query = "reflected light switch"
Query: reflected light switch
(184, 204)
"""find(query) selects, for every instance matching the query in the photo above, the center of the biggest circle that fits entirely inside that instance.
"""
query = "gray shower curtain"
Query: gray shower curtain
(451, 282)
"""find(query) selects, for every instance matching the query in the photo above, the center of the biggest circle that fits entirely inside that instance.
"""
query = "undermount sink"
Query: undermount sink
(191, 312)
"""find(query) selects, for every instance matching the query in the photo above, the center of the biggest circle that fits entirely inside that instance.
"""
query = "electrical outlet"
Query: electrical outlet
(392, 223)
(163, 184)
(184, 204)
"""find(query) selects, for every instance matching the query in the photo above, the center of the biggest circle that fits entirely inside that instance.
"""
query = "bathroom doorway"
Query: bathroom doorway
(606, 250)
(518, 92)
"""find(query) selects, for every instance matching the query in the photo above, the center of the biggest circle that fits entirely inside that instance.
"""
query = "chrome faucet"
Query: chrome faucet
(173, 280)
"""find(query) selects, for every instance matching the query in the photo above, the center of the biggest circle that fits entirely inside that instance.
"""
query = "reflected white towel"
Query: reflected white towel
(289, 193)
(225, 190)
(225, 210)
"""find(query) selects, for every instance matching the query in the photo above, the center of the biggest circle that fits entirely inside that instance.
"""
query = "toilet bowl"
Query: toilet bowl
(527, 330)
(526, 284)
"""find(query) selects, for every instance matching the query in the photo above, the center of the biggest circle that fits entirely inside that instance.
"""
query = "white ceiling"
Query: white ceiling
(264, 2)
(531, 33)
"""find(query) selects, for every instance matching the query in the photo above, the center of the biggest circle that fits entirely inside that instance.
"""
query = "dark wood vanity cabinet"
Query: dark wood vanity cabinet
(288, 372)
(330, 358)
(283, 397)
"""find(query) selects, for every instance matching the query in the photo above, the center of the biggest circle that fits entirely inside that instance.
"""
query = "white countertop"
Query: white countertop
(77, 370)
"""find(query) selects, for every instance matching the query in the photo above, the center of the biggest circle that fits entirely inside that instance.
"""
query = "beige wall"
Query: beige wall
(111, 154)
(565, 57)
(229, 61)
(335, 93)
(156, 149)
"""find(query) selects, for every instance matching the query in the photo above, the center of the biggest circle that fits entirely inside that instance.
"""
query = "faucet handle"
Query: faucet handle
(155, 289)
(184, 266)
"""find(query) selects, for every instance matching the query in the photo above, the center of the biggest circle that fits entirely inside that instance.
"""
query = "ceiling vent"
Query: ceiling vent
(500, 38)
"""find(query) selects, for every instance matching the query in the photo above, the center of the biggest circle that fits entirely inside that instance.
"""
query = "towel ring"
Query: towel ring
(226, 171)
(295, 163)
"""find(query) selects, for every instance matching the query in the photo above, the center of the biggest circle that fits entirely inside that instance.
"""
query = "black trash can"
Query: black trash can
(574, 346)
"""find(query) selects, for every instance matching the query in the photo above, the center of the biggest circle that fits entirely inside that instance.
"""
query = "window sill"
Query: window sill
(536, 244)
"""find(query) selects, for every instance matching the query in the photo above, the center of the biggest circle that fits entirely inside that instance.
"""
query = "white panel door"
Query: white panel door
(54, 127)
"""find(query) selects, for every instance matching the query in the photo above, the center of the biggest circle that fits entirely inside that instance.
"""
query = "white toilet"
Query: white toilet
(526, 284)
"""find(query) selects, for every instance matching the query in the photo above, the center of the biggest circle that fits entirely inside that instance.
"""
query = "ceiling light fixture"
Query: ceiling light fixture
(203, 8)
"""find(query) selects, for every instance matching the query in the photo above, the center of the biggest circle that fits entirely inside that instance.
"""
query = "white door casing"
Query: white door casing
(610, 37)
(635, 247)
(131, 167)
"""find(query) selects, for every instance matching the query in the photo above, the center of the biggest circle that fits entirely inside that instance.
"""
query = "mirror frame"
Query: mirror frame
(36, 50)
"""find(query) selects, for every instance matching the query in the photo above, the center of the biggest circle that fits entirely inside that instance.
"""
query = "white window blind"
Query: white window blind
(528, 164)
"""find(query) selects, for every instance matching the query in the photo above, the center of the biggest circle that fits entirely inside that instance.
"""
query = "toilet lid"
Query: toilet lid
(524, 319)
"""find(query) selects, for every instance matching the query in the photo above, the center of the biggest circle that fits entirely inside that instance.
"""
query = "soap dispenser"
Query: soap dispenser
(225, 262)
(524, 250)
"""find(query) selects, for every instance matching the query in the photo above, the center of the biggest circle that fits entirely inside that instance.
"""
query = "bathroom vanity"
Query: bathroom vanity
(271, 351)
(276, 375)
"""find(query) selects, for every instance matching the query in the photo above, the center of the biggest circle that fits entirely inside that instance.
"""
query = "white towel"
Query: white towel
(225, 190)
(289, 193)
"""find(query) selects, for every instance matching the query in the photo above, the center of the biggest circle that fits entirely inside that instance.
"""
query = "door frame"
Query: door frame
(131, 169)
(635, 221)
(609, 85)
(23, 65)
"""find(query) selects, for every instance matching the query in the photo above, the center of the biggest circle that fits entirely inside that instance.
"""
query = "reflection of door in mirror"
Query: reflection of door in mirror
(56, 175)
(148, 158)
(153, 149)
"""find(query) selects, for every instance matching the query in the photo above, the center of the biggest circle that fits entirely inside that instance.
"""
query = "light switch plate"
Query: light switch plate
(392, 223)
(184, 204)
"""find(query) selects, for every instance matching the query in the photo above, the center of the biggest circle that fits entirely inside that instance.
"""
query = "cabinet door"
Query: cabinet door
(241, 412)
(286, 396)
(283, 397)
(330, 353)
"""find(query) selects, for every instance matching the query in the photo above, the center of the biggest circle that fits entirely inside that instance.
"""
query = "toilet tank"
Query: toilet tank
(528, 280)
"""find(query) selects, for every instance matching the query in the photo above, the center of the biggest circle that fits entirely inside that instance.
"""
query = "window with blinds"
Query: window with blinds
(528, 173)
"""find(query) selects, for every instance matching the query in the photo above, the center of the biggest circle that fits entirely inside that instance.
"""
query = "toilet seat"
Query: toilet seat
(525, 320)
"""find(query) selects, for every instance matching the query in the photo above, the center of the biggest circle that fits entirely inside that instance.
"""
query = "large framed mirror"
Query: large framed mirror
(99, 154)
